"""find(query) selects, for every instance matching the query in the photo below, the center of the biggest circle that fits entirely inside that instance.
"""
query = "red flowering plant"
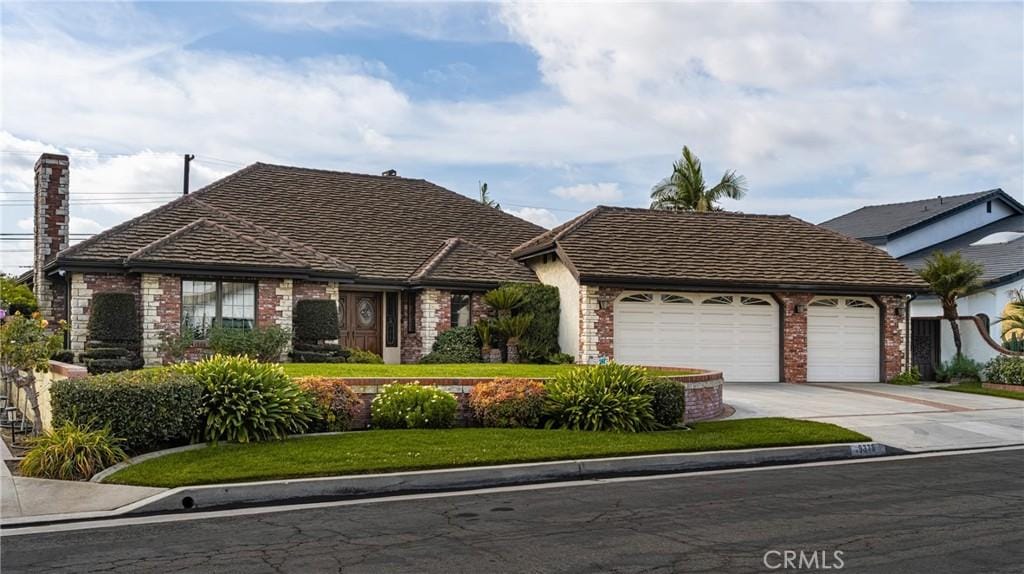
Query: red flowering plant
(508, 402)
(337, 405)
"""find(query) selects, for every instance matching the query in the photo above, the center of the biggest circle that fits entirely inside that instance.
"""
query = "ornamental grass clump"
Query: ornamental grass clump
(609, 397)
(246, 401)
(336, 404)
(508, 403)
(71, 452)
(413, 406)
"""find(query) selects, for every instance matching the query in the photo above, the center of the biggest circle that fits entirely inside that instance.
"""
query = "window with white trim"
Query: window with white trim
(205, 303)
(669, 298)
(638, 298)
(718, 300)
(859, 304)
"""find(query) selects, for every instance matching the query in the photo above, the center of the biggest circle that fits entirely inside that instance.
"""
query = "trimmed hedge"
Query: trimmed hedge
(1005, 370)
(541, 338)
(668, 401)
(150, 409)
(113, 317)
(315, 320)
(265, 344)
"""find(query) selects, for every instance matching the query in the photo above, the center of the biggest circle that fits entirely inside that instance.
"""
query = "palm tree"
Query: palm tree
(685, 189)
(1013, 319)
(485, 198)
(951, 277)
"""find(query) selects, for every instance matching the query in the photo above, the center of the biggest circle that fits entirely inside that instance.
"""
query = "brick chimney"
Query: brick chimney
(51, 224)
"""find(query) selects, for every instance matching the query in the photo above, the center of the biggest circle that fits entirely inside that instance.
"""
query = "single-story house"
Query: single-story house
(987, 227)
(763, 298)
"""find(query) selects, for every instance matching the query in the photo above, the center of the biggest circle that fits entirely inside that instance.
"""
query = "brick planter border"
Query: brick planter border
(1002, 387)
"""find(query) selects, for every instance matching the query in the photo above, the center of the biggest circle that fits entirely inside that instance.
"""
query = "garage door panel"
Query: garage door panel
(740, 340)
(843, 343)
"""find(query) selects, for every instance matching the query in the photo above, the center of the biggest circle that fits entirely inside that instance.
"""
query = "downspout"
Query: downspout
(908, 358)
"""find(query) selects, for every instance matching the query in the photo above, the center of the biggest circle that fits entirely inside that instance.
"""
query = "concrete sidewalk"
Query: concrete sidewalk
(22, 497)
(914, 419)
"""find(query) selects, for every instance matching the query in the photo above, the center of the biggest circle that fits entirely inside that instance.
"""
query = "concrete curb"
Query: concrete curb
(188, 498)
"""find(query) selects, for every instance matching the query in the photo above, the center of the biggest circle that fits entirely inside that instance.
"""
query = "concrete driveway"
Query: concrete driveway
(915, 419)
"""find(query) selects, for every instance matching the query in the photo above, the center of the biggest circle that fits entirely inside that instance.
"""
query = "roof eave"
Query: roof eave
(737, 286)
(998, 192)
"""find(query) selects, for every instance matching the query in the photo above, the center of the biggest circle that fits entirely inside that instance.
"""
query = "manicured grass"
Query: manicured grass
(977, 389)
(396, 450)
(450, 370)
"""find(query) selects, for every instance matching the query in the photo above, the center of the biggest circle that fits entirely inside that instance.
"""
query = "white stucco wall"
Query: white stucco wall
(556, 274)
(989, 302)
(950, 227)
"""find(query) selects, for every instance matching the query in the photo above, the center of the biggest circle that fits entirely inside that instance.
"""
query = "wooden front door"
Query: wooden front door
(925, 350)
(360, 318)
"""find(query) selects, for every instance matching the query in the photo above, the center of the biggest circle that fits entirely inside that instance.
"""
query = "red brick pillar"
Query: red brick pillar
(794, 336)
(894, 332)
(605, 323)
(50, 222)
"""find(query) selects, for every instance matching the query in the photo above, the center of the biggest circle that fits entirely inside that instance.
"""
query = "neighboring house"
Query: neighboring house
(986, 227)
(762, 298)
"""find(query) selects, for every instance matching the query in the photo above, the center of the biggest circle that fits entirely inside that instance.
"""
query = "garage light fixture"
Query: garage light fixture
(602, 304)
(800, 309)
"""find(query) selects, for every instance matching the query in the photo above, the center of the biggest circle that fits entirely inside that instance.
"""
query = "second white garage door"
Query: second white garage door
(842, 340)
(734, 333)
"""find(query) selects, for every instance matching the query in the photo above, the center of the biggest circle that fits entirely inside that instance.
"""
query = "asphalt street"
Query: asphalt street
(962, 513)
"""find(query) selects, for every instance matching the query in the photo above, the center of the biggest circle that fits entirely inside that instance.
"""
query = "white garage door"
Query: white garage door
(842, 340)
(736, 334)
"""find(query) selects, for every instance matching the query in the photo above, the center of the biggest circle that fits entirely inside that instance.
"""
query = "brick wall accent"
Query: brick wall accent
(50, 223)
(412, 343)
(597, 325)
(794, 336)
(274, 304)
(305, 290)
(894, 334)
(161, 313)
(704, 399)
(478, 309)
(83, 287)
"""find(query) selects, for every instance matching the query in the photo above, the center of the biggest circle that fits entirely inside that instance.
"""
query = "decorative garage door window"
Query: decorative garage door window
(718, 300)
(669, 298)
(825, 303)
(754, 301)
(859, 304)
(638, 298)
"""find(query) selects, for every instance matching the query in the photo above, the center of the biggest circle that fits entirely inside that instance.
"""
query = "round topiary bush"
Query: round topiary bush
(315, 320)
(113, 318)
(668, 401)
(458, 345)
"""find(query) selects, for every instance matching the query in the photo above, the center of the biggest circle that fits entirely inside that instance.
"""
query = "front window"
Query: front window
(205, 303)
(460, 310)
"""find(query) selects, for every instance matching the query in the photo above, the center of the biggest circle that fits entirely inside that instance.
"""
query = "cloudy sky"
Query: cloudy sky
(824, 107)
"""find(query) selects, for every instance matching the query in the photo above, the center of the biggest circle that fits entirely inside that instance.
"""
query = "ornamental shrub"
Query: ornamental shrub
(244, 400)
(317, 353)
(911, 377)
(335, 403)
(1005, 370)
(113, 318)
(71, 452)
(459, 345)
(668, 401)
(114, 337)
(149, 409)
(17, 297)
(414, 406)
(959, 368)
(265, 344)
(540, 340)
(361, 356)
(508, 403)
(608, 397)
(315, 320)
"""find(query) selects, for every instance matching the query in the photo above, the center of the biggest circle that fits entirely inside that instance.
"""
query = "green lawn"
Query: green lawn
(396, 450)
(450, 370)
(977, 389)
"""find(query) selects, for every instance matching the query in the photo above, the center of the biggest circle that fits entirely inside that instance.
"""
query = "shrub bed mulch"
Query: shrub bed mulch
(402, 450)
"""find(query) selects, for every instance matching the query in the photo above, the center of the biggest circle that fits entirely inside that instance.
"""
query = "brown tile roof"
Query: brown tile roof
(373, 228)
(717, 249)
(458, 260)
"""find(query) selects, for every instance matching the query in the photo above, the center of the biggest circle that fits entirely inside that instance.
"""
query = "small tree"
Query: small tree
(514, 328)
(484, 329)
(26, 346)
(16, 297)
(951, 277)
(504, 299)
(686, 190)
(485, 197)
(1013, 319)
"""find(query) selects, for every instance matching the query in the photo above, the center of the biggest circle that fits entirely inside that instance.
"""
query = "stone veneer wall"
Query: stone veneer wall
(274, 304)
(83, 287)
(161, 313)
(894, 334)
(794, 336)
(434, 315)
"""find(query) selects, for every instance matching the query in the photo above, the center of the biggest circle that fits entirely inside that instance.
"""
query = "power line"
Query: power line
(199, 157)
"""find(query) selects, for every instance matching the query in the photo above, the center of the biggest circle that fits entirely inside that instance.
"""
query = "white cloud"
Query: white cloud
(540, 216)
(589, 192)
